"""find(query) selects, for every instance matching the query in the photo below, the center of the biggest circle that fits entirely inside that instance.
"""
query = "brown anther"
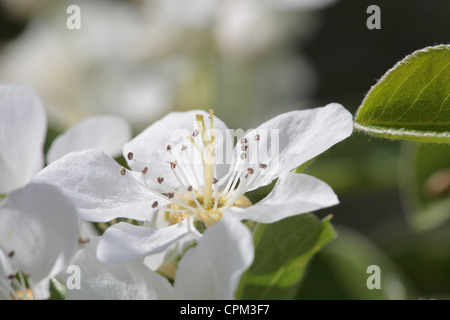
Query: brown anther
(145, 170)
(190, 188)
(257, 137)
(250, 170)
(155, 204)
(262, 165)
(83, 240)
(170, 195)
(214, 181)
(169, 147)
(122, 171)
(244, 140)
(173, 164)
(11, 276)
(183, 147)
(130, 155)
(11, 253)
(195, 133)
(244, 147)
(160, 180)
(243, 155)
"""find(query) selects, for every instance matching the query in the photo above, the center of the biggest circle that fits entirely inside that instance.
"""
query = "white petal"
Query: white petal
(150, 147)
(98, 189)
(124, 242)
(23, 126)
(39, 224)
(293, 194)
(155, 261)
(125, 281)
(291, 139)
(105, 132)
(213, 268)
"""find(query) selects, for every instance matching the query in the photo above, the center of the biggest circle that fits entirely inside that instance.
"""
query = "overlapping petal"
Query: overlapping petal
(104, 132)
(213, 268)
(123, 241)
(101, 189)
(210, 270)
(39, 232)
(127, 281)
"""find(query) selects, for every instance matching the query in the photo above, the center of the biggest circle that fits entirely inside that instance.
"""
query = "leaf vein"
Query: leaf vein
(398, 87)
(421, 91)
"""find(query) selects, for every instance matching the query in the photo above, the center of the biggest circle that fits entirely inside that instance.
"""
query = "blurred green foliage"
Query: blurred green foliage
(283, 251)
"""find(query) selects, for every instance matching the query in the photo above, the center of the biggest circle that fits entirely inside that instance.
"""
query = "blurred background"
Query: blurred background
(250, 60)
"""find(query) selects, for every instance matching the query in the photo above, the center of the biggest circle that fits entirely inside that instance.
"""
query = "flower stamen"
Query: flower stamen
(15, 285)
(205, 201)
(208, 160)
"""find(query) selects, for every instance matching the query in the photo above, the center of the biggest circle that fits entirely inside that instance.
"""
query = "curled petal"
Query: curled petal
(123, 242)
(213, 268)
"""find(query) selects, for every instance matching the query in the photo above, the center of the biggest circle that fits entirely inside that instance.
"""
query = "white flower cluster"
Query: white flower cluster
(181, 198)
(138, 59)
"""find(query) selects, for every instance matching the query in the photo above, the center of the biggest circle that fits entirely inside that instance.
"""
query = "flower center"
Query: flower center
(205, 202)
(16, 286)
(203, 217)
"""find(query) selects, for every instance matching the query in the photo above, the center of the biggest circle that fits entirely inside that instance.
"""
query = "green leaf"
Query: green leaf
(424, 178)
(412, 100)
(302, 168)
(57, 290)
(283, 250)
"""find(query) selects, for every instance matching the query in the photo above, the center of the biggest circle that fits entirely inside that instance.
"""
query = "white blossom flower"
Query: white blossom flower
(176, 44)
(23, 128)
(38, 225)
(185, 167)
(38, 236)
(210, 270)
